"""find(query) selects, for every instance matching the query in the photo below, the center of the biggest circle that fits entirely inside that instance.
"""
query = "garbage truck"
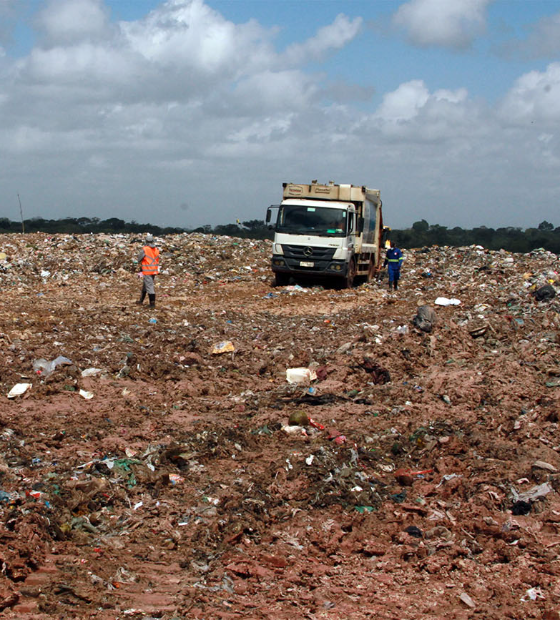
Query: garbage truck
(330, 231)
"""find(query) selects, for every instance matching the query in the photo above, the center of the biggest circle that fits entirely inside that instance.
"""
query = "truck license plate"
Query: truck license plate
(305, 263)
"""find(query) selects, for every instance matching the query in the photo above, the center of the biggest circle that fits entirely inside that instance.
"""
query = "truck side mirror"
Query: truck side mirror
(360, 225)
(269, 216)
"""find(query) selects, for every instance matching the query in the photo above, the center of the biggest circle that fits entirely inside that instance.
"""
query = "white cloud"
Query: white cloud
(84, 65)
(278, 91)
(72, 21)
(534, 97)
(182, 49)
(404, 102)
(189, 34)
(410, 99)
(169, 95)
(446, 23)
(331, 37)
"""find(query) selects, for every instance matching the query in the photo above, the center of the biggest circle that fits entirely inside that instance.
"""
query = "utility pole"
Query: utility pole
(21, 215)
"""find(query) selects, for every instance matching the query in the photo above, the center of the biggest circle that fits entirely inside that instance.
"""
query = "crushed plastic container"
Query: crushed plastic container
(45, 368)
(19, 389)
(300, 375)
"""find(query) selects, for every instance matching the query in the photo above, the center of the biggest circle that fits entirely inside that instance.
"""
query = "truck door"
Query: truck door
(351, 230)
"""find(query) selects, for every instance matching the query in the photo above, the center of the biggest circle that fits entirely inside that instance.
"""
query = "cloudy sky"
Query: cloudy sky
(185, 112)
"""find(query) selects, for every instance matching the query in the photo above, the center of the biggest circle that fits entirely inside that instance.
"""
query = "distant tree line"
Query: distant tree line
(421, 234)
(81, 225)
(508, 238)
(254, 229)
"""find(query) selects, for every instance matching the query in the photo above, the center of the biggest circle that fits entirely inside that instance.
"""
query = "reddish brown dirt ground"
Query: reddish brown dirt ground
(176, 492)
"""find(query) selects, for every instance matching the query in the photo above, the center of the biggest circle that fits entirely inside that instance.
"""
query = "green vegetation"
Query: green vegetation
(80, 225)
(508, 238)
(420, 234)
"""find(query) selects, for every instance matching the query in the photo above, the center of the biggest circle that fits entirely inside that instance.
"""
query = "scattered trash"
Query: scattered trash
(448, 477)
(223, 347)
(91, 372)
(19, 389)
(296, 288)
(545, 293)
(533, 494)
(316, 425)
(444, 301)
(478, 328)
(344, 348)
(467, 600)
(45, 369)
(544, 466)
(300, 375)
(294, 430)
(533, 594)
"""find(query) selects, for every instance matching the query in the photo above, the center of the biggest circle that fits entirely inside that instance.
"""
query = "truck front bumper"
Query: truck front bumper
(282, 264)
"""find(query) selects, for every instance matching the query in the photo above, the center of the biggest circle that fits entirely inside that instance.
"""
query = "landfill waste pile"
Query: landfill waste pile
(250, 451)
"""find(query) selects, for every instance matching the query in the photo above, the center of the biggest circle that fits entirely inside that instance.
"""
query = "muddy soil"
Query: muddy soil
(149, 470)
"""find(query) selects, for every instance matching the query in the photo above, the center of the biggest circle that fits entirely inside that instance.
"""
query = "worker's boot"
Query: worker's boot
(152, 300)
(142, 297)
(396, 285)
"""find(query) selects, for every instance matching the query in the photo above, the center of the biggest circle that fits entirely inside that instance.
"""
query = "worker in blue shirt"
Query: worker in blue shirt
(393, 262)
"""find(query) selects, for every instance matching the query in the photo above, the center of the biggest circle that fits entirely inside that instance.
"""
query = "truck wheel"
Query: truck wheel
(348, 281)
(281, 279)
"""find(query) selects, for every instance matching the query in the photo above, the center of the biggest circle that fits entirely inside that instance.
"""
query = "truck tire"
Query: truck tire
(281, 279)
(348, 281)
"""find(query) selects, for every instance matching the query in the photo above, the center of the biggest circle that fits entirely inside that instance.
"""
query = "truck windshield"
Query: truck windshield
(322, 221)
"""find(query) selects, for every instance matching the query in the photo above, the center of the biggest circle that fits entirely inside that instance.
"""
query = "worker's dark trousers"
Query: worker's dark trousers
(394, 275)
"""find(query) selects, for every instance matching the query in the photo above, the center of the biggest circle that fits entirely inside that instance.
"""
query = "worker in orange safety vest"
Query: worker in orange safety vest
(148, 259)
